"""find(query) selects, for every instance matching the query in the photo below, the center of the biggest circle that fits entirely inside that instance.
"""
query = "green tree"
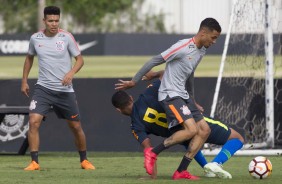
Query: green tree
(81, 16)
(88, 14)
(133, 21)
(19, 15)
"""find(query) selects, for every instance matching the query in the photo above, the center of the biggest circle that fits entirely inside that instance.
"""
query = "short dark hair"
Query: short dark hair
(211, 24)
(51, 10)
(120, 99)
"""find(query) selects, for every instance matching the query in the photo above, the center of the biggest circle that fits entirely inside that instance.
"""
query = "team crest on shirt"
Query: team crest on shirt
(185, 110)
(60, 45)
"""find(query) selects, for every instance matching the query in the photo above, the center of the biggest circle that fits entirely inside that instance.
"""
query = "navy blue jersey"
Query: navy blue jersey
(148, 117)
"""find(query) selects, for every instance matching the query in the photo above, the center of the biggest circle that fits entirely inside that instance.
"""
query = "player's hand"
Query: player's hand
(67, 80)
(201, 109)
(25, 89)
(155, 172)
(151, 177)
(122, 85)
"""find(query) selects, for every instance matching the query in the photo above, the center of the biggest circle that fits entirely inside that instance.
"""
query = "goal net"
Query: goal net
(248, 93)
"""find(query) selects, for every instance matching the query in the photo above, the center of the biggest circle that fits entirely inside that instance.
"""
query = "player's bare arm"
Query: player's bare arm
(201, 108)
(27, 66)
(122, 85)
(153, 75)
(77, 66)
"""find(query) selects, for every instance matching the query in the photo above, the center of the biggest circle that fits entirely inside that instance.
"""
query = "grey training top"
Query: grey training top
(181, 59)
(54, 58)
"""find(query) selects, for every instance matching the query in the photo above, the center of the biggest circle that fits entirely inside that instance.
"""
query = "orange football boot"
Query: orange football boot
(85, 164)
(32, 166)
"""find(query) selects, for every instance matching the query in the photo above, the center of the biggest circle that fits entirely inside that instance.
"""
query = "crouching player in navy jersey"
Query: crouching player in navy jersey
(148, 117)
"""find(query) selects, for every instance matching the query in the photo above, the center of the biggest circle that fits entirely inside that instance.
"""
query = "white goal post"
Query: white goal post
(246, 152)
(244, 94)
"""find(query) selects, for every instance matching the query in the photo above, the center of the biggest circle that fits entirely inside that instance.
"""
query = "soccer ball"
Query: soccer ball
(260, 167)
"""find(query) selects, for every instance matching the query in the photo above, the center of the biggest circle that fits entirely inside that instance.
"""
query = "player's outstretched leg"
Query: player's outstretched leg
(150, 159)
(184, 175)
(217, 169)
(200, 158)
(210, 175)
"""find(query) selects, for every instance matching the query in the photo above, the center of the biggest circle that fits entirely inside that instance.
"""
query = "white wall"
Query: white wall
(185, 16)
(276, 17)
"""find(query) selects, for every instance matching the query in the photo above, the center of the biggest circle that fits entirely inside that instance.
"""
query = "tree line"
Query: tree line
(82, 16)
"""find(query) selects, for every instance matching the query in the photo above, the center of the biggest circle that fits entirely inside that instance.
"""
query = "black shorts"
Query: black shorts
(179, 110)
(219, 135)
(63, 103)
(220, 132)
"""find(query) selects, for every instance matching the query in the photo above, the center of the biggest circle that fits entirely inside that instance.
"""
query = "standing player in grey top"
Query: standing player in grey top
(54, 48)
(181, 61)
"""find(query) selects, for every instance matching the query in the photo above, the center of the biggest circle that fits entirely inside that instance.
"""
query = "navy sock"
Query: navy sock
(34, 156)
(184, 164)
(228, 150)
(82, 155)
(200, 158)
(159, 148)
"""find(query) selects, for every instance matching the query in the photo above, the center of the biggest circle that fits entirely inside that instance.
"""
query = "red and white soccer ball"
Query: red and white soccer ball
(260, 167)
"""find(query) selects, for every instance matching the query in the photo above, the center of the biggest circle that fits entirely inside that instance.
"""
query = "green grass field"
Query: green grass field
(118, 67)
(123, 168)
(64, 168)
(103, 66)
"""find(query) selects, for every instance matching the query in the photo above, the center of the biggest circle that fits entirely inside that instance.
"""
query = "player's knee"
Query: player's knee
(241, 139)
(33, 124)
(75, 126)
(237, 135)
(204, 129)
(205, 132)
(192, 130)
(191, 126)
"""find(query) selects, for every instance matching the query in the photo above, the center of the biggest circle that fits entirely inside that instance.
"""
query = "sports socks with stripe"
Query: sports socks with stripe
(228, 150)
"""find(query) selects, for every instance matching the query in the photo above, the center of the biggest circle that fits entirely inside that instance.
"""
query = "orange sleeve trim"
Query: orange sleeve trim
(134, 134)
(178, 48)
(175, 112)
